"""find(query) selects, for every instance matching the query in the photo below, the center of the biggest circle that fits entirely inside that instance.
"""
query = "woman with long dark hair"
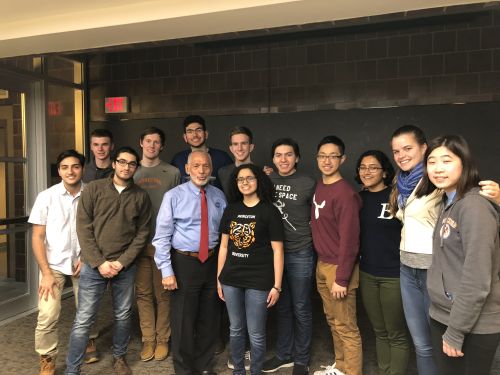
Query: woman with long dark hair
(463, 280)
(379, 284)
(250, 265)
(418, 213)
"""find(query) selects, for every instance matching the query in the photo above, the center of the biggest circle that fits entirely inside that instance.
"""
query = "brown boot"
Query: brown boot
(161, 351)
(91, 353)
(47, 365)
(121, 366)
(148, 350)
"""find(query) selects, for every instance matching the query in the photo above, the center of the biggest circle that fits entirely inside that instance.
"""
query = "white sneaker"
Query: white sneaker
(329, 370)
(230, 363)
(247, 360)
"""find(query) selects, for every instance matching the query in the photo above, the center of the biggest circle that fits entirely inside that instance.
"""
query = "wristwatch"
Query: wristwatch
(278, 289)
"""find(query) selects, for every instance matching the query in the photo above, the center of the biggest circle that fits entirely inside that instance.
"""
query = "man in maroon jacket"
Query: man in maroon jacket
(335, 232)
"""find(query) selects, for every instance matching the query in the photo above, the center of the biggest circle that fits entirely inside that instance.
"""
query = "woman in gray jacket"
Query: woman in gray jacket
(463, 280)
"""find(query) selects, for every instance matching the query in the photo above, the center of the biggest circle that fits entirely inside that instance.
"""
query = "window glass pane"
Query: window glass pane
(11, 123)
(12, 190)
(13, 261)
(13, 227)
(64, 69)
(13, 250)
(28, 63)
(64, 123)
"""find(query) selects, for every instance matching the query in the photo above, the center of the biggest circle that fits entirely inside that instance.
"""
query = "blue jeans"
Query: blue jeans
(247, 308)
(416, 303)
(91, 289)
(294, 307)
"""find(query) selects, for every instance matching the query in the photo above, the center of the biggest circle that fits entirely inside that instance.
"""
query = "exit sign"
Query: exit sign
(116, 104)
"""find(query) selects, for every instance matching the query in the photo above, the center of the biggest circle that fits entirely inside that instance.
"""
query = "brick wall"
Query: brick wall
(396, 61)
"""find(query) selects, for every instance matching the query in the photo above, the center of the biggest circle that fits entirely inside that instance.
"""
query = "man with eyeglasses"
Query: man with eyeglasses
(335, 233)
(196, 135)
(113, 219)
(293, 196)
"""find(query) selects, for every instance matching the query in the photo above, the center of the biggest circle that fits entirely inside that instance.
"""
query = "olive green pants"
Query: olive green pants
(382, 301)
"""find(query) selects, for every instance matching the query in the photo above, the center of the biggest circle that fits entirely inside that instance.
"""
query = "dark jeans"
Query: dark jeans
(479, 351)
(195, 314)
(91, 289)
(294, 310)
(247, 309)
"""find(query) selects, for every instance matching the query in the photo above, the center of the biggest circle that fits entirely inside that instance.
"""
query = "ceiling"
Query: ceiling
(36, 27)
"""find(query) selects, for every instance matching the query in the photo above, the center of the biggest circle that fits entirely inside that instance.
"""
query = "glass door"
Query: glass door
(20, 144)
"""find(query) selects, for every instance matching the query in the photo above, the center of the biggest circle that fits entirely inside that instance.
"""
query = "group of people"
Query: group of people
(421, 244)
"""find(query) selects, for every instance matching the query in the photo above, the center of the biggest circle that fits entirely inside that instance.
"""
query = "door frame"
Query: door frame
(35, 179)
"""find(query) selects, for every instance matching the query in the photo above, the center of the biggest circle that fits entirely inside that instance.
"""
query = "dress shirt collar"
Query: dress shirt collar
(62, 189)
(195, 189)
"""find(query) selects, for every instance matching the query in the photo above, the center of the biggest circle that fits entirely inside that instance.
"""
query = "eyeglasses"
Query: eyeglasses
(248, 179)
(192, 131)
(370, 168)
(322, 157)
(123, 163)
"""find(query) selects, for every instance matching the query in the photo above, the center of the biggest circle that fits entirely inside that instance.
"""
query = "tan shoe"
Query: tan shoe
(121, 366)
(148, 351)
(91, 354)
(47, 365)
(161, 351)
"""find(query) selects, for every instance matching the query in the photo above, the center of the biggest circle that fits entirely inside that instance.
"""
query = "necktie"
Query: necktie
(203, 251)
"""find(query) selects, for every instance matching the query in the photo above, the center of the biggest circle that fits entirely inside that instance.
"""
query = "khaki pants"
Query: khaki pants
(155, 322)
(341, 317)
(46, 338)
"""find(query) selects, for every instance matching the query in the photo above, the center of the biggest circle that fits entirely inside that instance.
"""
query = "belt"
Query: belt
(194, 254)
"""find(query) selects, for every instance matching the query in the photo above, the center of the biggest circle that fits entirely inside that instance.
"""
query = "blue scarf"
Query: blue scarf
(407, 181)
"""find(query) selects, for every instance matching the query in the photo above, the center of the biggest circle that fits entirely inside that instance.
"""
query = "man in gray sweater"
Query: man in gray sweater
(113, 227)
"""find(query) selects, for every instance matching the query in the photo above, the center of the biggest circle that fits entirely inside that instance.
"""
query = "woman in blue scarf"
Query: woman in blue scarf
(418, 216)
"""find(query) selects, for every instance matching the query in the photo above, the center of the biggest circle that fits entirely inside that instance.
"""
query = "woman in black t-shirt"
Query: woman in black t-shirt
(250, 264)
(380, 236)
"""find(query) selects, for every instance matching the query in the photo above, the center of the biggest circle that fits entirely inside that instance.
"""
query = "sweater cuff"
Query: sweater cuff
(344, 283)
(454, 338)
(124, 261)
(96, 262)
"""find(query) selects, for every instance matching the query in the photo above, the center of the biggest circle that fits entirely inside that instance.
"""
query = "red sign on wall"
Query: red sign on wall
(54, 108)
(116, 104)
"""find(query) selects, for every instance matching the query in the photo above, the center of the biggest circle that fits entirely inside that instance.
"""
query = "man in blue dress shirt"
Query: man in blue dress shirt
(195, 307)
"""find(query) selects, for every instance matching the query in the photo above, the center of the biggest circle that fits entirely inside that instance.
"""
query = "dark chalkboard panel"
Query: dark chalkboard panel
(361, 129)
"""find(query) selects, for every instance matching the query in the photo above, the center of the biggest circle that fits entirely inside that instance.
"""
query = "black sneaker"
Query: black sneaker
(274, 364)
(300, 369)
